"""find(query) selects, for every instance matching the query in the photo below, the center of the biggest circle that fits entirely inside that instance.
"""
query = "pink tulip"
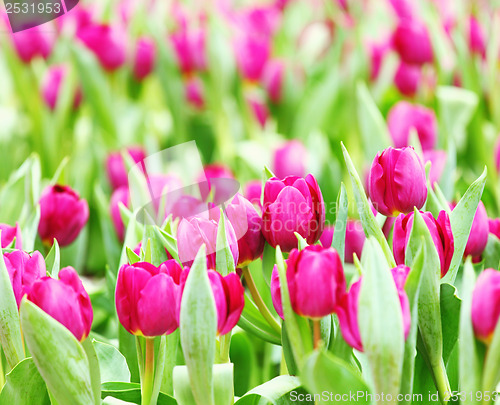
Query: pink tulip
(120, 195)
(273, 78)
(497, 154)
(259, 109)
(65, 300)
(252, 54)
(9, 233)
(377, 53)
(291, 205)
(402, 8)
(290, 159)
(397, 181)
(354, 239)
(219, 179)
(438, 163)
(412, 42)
(189, 48)
(408, 78)
(51, 87)
(148, 298)
(32, 43)
(439, 229)
(477, 43)
(478, 236)
(485, 309)
(144, 58)
(194, 92)
(253, 191)
(116, 169)
(494, 226)
(62, 215)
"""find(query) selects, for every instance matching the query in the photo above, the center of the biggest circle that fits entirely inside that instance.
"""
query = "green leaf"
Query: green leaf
(491, 371)
(59, 357)
(450, 315)
(172, 344)
(302, 243)
(94, 371)
(112, 364)
(243, 356)
(224, 258)
(268, 261)
(461, 222)
(169, 242)
(338, 240)
(53, 260)
(277, 391)
(158, 254)
(491, 254)
(132, 256)
(253, 322)
(131, 392)
(24, 385)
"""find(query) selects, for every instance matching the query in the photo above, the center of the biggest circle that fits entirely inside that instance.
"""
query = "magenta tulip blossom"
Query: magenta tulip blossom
(253, 192)
(259, 109)
(252, 54)
(412, 42)
(32, 43)
(144, 58)
(116, 169)
(65, 300)
(439, 229)
(438, 163)
(189, 48)
(354, 239)
(9, 233)
(494, 226)
(477, 43)
(396, 181)
(290, 160)
(148, 298)
(217, 178)
(193, 89)
(120, 195)
(291, 205)
(273, 78)
(51, 86)
(408, 78)
(485, 309)
(478, 236)
(63, 214)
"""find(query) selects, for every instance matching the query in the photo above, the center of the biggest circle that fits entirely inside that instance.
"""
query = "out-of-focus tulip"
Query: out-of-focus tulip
(219, 179)
(404, 116)
(51, 86)
(273, 78)
(229, 300)
(377, 52)
(315, 280)
(8, 235)
(194, 92)
(32, 43)
(291, 205)
(120, 195)
(412, 42)
(396, 183)
(195, 231)
(438, 162)
(354, 239)
(485, 309)
(478, 237)
(148, 298)
(252, 54)
(290, 160)
(494, 226)
(497, 154)
(439, 229)
(477, 42)
(63, 214)
(23, 271)
(407, 78)
(347, 309)
(116, 169)
(260, 20)
(107, 43)
(259, 109)
(189, 48)
(402, 8)
(65, 300)
(144, 58)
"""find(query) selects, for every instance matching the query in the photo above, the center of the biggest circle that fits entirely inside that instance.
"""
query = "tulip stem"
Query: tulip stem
(149, 365)
(442, 383)
(224, 344)
(317, 332)
(2, 376)
(264, 310)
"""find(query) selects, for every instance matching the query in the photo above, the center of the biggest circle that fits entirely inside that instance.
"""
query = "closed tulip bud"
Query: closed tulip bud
(148, 297)
(315, 280)
(144, 58)
(497, 154)
(23, 271)
(354, 239)
(252, 54)
(219, 179)
(485, 309)
(377, 52)
(51, 87)
(195, 231)
(259, 109)
(477, 43)
(412, 42)
(396, 181)
(407, 78)
(290, 159)
(494, 227)
(9, 233)
(291, 205)
(273, 78)
(438, 162)
(120, 195)
(347, 310)
(439, 229)
(478, 236)
(65, 300)
(253, 191)
(116, 169)
(32, 43)
(63, 214)
(403, 117)
(229, 296)
(107, 43)
(189, 48)
(194, 92)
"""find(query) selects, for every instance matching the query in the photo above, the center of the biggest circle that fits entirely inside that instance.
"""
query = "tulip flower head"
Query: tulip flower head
(253, 192)
(9, 233)
(120, 195)
(51, 87)
(290, 160)
(408, 78)
(412, 42)
(494, 226)
(32, 43)
(252, 54)
(65, 300)
(485, 309)
(478, 236)
(354, 239)
(477, 43)
(144, 58)
(438, 163)
(116, 169)
(273, 78)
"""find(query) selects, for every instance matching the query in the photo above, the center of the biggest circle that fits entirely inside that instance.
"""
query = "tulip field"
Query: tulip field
(249, 202)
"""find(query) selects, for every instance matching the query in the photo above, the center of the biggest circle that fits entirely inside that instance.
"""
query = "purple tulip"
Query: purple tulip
(396, 183)
(412, 42)
(291, 205)
(347, 309)
(485, 309)
(144, 58)
(494, 227)
(290, 160)
(315, 280)
(438, 162)
(273, 77)
(195, 231)
(478, 236)
(477, 43)
(115, 166)
(404, 116)
(23, 271)
(62, 215)
(32, 43)
(354, 239)
(9, 233)
(65, 300)
(408, 78)
(120, 195)
(439, 229)
(148, 297)
(252, 54)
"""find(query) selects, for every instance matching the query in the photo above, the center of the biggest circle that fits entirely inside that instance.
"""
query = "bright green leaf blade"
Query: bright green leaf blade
(338, 240)
(112, 364)
(277, 391)
(53, 260)
(131, 392)
(223, 258)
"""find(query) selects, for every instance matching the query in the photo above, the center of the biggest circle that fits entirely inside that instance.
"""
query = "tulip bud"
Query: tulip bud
(253, 191)
(290, 160)
(9, 233)
(354, 239)
(494, 227)
(315, 280)
(396, 182)
(194, 92)
(106, 42)
(217, 178)
(404, 116)
(51, 87)
(195, 231)
(148, 298)
(485, 309)
(259, 109)
(229, 300)
(291, 205)
(252, 54)
(189, 48)
(407, 78)
(438, 162)
(23, 271)
(439, 229)
(62, 215)
(477, 42)
(412, 42)
(144, 58)
(478, 236)
(273, 79)
(65, 300)
(347, 309)
(115, 166)
(377, 53)
(32, 43)
(120, 195)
